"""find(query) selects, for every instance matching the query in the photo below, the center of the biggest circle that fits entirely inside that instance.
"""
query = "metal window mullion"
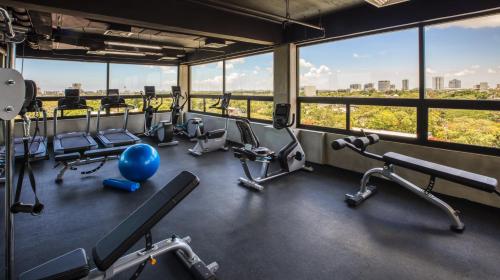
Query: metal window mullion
(422, 110)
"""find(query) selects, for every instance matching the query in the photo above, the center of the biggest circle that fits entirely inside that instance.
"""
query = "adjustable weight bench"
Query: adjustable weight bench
(434, 170)
(72, 160)
(108, 252)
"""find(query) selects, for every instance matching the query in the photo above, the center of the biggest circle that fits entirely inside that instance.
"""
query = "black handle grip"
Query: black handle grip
(374, 138)
(361, 142)
(339, 144)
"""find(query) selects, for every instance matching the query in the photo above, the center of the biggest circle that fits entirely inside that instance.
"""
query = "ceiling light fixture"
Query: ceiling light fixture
(105, 52)
(168, 58)
(133, 45)
(384, 3)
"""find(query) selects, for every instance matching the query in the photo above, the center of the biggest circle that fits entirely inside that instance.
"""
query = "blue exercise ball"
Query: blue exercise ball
(139, 162)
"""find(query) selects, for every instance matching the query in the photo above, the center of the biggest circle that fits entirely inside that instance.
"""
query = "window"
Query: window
(463, 59)
(206, 79)
(324, 115)
(388, 120)
(130, 79)
(54, 76)
(251, 75)
(382, 65)
(249, 79)
(472, 127)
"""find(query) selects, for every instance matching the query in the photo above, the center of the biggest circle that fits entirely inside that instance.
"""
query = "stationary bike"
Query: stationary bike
(210, 141)
(163, 131)
(291, 157)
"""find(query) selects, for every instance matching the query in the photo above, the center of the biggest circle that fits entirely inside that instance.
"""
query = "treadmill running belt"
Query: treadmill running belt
(19, 148)
(79, 141)
(118, 137)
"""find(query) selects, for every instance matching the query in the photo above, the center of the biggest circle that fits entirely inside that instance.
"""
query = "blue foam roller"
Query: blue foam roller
(121, 184)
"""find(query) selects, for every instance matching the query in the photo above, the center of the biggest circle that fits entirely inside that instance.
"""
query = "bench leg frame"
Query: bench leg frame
(178, 245)
(388, 172)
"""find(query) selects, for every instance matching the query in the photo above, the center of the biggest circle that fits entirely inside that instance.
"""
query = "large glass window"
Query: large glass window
(472, 127)
(388, 120)
(130, 79)
(53, 76)
(381, 65)
(463, 59)
(251, 75)
(206, 78)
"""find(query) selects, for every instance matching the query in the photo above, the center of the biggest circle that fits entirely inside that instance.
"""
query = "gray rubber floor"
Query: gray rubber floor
(298, 228)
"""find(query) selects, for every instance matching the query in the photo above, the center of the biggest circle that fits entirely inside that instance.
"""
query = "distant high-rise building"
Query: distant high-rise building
(369, 86)
(310, 90)
(355, 87)
(76, 85)
(483, 86)
(405, 85)
(455, 83)
(393, 86)
(498, 86)
(384, 85)
(437, 83)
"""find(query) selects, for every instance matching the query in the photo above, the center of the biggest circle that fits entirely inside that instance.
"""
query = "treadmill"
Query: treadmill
(114, 137)
(38, 142)
(76, 141)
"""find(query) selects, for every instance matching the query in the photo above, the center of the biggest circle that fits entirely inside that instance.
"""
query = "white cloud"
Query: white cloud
(318, 72)
(357, 55)
(305, 64)
(475, 66)
(480, 22)
(430, 70)
(464, 72)
(210, 83)
(492, 71)
(220, 64)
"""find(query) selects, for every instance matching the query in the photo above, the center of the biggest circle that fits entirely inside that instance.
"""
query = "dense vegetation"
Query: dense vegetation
(475, 127)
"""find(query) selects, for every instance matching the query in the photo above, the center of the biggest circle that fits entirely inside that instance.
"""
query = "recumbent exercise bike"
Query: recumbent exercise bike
(434, 170)
(291, 157)
(212, 140)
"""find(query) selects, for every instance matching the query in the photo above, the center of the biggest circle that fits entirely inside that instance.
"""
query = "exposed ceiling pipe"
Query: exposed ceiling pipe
(235, 9)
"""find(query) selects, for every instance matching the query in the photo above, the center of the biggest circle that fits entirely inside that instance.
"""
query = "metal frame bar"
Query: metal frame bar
(388, 172)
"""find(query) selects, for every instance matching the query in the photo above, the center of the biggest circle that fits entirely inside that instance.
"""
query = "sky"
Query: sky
(467, 50)
(54, 75)
(247, 73)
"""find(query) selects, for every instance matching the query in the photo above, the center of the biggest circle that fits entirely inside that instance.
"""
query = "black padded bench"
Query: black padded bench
(434, 170)
(459, 176)
(111, 247)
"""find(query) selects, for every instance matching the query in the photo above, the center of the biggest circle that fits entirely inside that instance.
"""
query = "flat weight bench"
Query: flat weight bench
(72, 160)
(108, 252)
(434, 170)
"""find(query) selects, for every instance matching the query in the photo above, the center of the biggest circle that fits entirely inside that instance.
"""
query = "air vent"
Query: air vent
(384, 3)
(215, 43)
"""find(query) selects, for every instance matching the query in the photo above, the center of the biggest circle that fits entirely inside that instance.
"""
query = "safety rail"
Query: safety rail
(241, 106)
(421, 107)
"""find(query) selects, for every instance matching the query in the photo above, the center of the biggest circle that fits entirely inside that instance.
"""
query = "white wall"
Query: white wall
(317, 148)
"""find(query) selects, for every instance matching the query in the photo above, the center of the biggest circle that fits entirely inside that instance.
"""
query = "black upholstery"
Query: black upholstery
(214, 134)
(72, 265)
(112, 246)
(105, 152)
(246, 133)
(470, 179)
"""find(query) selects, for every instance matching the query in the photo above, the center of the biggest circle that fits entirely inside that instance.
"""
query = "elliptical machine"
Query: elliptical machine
(291, 157)
(163, 130)
(192, 127)
(210, 141)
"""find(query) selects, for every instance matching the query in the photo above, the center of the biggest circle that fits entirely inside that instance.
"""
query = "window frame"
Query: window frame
(247, 98)
(98, 97)
(422, 104)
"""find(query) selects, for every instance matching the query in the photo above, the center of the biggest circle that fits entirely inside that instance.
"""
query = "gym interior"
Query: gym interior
(342, 139)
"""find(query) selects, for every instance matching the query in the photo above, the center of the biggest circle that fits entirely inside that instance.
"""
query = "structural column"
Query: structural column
(184, 84)
(285, 75)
